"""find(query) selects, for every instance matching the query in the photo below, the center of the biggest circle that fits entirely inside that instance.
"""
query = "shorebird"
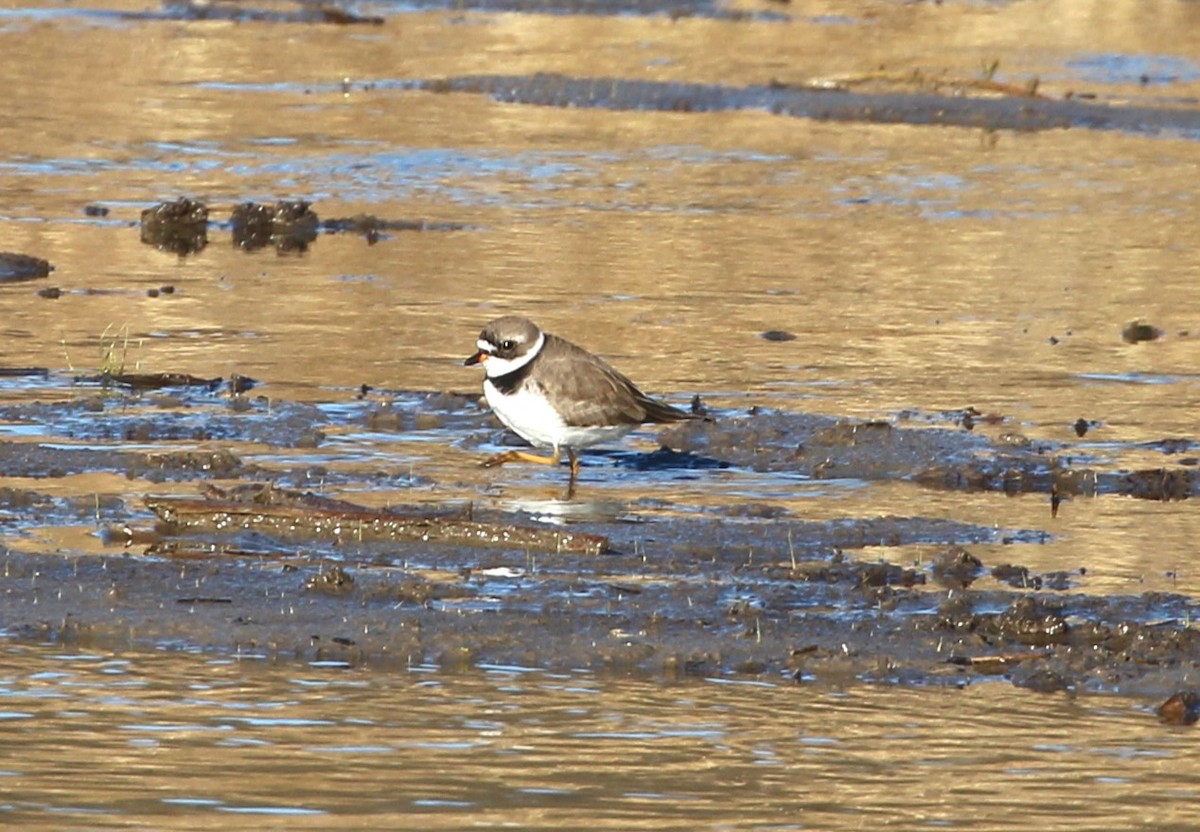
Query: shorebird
(556, 395)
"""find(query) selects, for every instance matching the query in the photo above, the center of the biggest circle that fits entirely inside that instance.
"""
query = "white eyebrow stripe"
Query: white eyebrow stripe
(485, 346)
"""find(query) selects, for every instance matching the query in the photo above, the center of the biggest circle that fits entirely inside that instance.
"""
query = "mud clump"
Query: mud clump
(15, 267)
(288, 226)
(1029, 621)
(179, 227)
(1042, 679)
(1137, 332)
(956, 567)
(334, 581)
(221, 463)
(1019, 577)
(1082, 426)
(1162, 484)
(876, 575)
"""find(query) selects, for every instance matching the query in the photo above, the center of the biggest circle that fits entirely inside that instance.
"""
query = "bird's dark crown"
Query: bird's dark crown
(510, 336)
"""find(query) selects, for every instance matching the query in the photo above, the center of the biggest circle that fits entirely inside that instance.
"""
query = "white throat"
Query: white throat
(495, 366)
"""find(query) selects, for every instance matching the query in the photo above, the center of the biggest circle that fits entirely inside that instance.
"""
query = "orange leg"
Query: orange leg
(521, 456)
(553, 459)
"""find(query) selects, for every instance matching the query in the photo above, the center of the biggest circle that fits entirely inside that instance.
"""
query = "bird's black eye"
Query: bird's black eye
(508, 344)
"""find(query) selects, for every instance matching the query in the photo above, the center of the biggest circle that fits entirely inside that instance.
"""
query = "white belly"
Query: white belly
(530, 416)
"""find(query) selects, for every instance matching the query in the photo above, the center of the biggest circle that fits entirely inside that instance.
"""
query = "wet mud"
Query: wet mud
(263, 509)
(1003, 112)
(270, 560)
(822, 447)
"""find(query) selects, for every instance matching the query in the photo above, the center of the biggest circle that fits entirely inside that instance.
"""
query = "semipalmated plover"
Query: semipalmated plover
(554, 394)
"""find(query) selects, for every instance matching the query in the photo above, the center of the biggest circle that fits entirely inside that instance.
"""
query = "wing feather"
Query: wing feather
(591, 392)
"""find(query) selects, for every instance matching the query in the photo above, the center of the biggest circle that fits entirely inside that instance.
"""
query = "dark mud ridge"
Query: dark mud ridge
(827, 448)
(1005, 112)
(307, 11)
(260, 565)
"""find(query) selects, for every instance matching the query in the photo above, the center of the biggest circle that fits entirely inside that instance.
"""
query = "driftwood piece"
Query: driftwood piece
(361, 524)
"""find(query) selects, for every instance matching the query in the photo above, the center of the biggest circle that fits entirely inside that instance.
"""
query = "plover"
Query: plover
(556, 395)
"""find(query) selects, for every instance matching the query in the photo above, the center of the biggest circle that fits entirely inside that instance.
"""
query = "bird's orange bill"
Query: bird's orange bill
(477, 358)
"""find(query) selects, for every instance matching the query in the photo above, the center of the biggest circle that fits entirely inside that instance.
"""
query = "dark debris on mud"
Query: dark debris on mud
(288, 226)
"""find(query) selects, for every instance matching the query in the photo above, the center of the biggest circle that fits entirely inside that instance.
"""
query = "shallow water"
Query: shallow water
(922, 269)
(106, 741)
